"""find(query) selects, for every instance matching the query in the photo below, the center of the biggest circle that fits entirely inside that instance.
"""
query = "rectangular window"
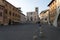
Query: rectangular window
(0, 13)
(13, 14)
(6, 11)
(10, 13)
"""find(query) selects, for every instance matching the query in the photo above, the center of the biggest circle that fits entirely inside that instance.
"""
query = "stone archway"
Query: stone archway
(58, 21)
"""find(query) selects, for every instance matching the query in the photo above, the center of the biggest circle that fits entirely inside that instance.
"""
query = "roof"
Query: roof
(11, 5)
(22, 14)
(17, 8)
(44, 11)
(51, 2)
(30, 12)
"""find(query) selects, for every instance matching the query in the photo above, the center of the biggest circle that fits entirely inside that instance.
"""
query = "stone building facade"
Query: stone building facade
(44, 16)
(54, 7)
(22, 18)
(32, 17)
(9, 14)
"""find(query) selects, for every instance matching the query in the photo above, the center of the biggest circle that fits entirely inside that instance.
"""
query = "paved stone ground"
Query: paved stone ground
(18, 32)
(28, 32)
(50, 32)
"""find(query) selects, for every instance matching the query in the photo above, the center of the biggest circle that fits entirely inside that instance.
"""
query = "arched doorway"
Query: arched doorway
(31, 19)
(9, 22)
(58, 21)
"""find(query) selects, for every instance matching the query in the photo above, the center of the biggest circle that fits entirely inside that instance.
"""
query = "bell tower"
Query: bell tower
(36, 10)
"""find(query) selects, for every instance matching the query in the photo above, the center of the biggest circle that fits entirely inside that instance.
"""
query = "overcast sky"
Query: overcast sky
(29, 5)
